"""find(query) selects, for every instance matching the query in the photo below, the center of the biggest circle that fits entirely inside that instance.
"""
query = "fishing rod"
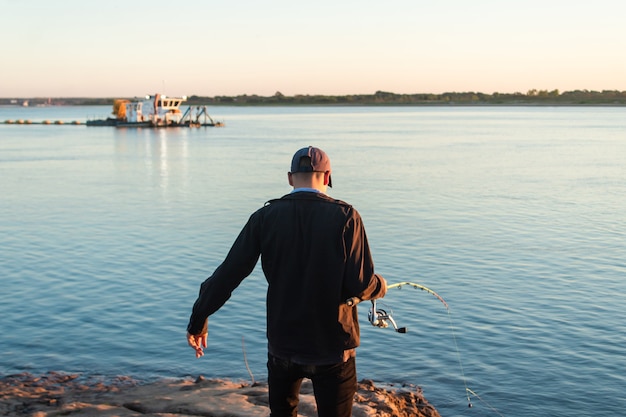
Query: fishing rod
(382, 318)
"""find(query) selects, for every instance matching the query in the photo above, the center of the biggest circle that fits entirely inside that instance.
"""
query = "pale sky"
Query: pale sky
(97, 48)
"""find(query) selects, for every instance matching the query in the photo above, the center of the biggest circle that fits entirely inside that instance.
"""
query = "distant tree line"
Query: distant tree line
(379, 98)
(532, 97)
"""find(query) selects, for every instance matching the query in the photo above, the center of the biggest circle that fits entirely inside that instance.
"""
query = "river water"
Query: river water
(514, 215)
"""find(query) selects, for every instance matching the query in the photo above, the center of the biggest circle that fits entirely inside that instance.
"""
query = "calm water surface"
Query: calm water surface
(514, 215)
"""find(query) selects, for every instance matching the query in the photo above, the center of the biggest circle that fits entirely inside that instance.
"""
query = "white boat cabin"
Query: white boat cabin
(158, 110)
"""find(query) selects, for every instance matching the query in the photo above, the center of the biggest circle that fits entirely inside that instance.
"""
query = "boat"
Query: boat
(156, 111)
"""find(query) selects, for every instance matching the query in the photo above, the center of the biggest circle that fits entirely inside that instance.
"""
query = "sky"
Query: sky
(113, 48)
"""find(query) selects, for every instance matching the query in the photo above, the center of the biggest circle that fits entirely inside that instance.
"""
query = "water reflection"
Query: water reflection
(159, 156)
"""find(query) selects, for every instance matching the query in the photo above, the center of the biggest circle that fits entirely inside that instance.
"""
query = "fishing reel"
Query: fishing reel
(381, 318)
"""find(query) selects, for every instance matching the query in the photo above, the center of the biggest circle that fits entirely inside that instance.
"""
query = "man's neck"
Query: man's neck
(306, 189)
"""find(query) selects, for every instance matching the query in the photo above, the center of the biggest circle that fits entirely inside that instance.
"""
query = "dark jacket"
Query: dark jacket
(315, 255)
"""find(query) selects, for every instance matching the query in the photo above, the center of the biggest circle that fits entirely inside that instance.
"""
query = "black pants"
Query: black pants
(334, 387)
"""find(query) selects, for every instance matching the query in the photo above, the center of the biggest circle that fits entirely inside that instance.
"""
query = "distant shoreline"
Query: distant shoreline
(578, 98)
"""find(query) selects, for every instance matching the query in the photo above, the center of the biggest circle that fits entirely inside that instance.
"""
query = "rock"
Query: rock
(57, 394)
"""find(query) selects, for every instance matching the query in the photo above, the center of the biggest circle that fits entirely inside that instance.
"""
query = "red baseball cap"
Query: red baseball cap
(319, 161)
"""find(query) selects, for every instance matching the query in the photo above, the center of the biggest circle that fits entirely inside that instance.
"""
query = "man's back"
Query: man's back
(314, 256)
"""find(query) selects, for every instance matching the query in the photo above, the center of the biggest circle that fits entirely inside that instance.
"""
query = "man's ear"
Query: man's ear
(326, 177)
(290, 179)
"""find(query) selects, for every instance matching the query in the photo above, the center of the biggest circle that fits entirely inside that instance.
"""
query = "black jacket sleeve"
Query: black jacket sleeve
(217, 289)
(360, 280)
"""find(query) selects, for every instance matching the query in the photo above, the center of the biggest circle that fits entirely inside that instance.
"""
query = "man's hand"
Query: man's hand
(197, 343)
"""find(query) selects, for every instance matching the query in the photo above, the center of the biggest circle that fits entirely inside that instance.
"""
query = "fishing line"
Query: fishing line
(245, 359)
(381, 318)
(456, 345)
(495, 410)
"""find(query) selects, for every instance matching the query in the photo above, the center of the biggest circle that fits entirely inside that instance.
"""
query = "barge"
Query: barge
(156, 111)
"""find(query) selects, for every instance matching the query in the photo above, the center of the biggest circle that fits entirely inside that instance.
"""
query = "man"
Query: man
(315, 255)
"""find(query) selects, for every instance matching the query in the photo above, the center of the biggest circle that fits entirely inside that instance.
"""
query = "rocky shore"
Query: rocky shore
(59, 394)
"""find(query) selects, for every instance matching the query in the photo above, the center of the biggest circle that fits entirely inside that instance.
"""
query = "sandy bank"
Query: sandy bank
(57, 394)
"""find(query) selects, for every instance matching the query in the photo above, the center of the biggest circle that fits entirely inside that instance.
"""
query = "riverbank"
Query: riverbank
(532, 97)
(57, 394)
